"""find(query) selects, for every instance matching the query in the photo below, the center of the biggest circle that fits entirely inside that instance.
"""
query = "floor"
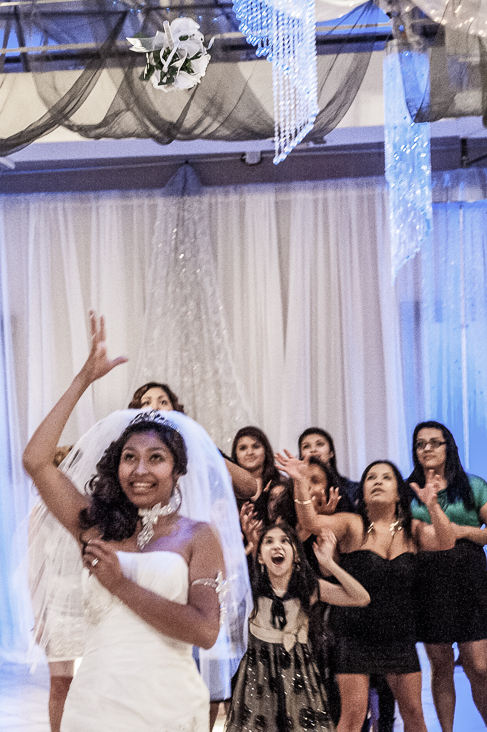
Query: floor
(23, 701)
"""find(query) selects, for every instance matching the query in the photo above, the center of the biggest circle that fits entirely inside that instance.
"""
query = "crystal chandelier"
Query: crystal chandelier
(285, 32)
(407, 160)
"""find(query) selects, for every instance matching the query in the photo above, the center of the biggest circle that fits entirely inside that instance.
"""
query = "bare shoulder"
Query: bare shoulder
(206, 552)
(199, 530)
(348, 523)
(352, 529)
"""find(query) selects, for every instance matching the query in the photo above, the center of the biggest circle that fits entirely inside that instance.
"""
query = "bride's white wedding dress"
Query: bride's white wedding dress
(133, 678)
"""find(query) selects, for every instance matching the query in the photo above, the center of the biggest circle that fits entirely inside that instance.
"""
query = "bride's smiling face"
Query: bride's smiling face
(146, 470)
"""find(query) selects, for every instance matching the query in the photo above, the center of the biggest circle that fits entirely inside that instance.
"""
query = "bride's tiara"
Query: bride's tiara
(153, 416)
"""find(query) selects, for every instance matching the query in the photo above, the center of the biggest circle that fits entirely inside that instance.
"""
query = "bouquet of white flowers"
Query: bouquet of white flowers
(176, 58)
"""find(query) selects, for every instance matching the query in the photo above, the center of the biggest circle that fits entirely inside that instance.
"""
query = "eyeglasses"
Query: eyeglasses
(434, 444)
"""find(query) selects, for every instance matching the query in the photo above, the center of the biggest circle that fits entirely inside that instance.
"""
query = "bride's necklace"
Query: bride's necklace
(394, 528)
(150, 517)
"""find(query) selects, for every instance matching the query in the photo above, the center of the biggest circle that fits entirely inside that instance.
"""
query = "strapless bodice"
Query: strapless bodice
(134, 678)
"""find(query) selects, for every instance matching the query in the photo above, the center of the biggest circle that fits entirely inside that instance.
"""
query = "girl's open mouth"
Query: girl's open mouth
(278, 559)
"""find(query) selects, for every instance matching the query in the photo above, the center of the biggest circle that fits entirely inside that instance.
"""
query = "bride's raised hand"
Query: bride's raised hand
(295, 468)
(98, 364)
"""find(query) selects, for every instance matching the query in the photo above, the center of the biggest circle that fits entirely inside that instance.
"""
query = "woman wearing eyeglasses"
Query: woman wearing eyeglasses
(452, 587)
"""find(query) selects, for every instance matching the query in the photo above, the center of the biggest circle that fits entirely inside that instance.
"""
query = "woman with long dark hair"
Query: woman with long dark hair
(252, 451)
(318, 443)
(155, 395)
(155, 575)
(452, 602)
(378, 547)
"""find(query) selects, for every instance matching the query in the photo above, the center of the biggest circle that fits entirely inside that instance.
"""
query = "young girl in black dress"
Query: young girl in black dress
(278, 687)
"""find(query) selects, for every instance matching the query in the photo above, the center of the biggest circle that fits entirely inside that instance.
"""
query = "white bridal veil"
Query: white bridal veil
(207, 495)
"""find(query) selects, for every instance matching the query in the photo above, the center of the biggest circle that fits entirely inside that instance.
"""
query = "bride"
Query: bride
(154, 575)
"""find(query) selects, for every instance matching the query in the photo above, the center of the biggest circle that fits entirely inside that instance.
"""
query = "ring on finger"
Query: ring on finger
(94, 562)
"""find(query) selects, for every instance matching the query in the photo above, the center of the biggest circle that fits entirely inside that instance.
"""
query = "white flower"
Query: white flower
(200, 64)
(185, 27)
(145, 45)
(185, 81)
(175, 53)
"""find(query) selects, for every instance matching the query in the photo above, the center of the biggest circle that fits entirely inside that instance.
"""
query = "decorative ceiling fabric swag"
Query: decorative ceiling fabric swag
(98, 92)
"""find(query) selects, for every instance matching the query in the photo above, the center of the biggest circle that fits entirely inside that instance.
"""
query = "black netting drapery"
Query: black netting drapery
(457, 84)
(98, 93)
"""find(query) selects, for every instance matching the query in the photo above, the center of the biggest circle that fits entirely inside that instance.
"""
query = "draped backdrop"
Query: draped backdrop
(270, 305)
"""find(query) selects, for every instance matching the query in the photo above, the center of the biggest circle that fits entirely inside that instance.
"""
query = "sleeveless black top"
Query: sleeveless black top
(390, 616)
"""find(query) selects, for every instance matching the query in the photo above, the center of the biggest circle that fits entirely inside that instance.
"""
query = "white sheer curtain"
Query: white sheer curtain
(303, 279)
(311, 310)
(65, 254)
(444, 329)
(245, 227)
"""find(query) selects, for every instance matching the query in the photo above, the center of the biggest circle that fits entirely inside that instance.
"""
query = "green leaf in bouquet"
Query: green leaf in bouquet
(147, 72)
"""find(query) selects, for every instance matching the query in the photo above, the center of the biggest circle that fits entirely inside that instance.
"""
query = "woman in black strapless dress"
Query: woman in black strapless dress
(378, 547)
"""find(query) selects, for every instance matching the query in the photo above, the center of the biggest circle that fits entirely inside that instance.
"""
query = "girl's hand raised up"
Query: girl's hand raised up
(98, 364)
(329, 508)
(324, 548)
(295, 468)
(251, 526)
(60, 495)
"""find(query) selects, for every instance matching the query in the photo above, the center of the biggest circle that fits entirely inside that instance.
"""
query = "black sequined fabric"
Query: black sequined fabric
(278, 691)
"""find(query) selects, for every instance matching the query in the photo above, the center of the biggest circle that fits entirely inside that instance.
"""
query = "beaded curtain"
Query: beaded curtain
(183, 297)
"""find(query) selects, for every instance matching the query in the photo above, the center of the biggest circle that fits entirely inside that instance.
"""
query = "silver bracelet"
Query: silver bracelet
(220, 585)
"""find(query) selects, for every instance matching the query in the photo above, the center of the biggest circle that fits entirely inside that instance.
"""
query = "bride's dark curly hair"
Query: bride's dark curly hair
(110, 510)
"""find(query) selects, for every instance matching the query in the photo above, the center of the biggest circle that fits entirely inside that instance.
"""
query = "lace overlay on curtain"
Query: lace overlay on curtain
(185, 337)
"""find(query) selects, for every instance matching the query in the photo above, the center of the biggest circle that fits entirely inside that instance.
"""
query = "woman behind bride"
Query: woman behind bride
(154, 577)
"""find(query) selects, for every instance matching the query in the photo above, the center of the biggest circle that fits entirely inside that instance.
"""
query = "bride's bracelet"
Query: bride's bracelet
(303, 503)
(220, 585)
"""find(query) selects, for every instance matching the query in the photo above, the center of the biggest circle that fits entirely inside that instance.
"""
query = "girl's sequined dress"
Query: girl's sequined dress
(278, 687)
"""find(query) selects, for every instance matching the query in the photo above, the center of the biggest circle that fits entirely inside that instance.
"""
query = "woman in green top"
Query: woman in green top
(452, 602)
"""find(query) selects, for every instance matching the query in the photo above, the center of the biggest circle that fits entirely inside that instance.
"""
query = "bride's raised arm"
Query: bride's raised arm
(57, 491)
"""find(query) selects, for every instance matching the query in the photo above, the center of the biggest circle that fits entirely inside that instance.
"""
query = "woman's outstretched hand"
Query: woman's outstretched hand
(324, 547)
(329, 508)
(98, 364)
(295, 468)
(251, 527)
(433, 485)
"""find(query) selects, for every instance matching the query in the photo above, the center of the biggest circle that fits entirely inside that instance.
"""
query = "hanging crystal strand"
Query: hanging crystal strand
(255, 19)
(408, 161)
(285, 32)
(295, 81)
